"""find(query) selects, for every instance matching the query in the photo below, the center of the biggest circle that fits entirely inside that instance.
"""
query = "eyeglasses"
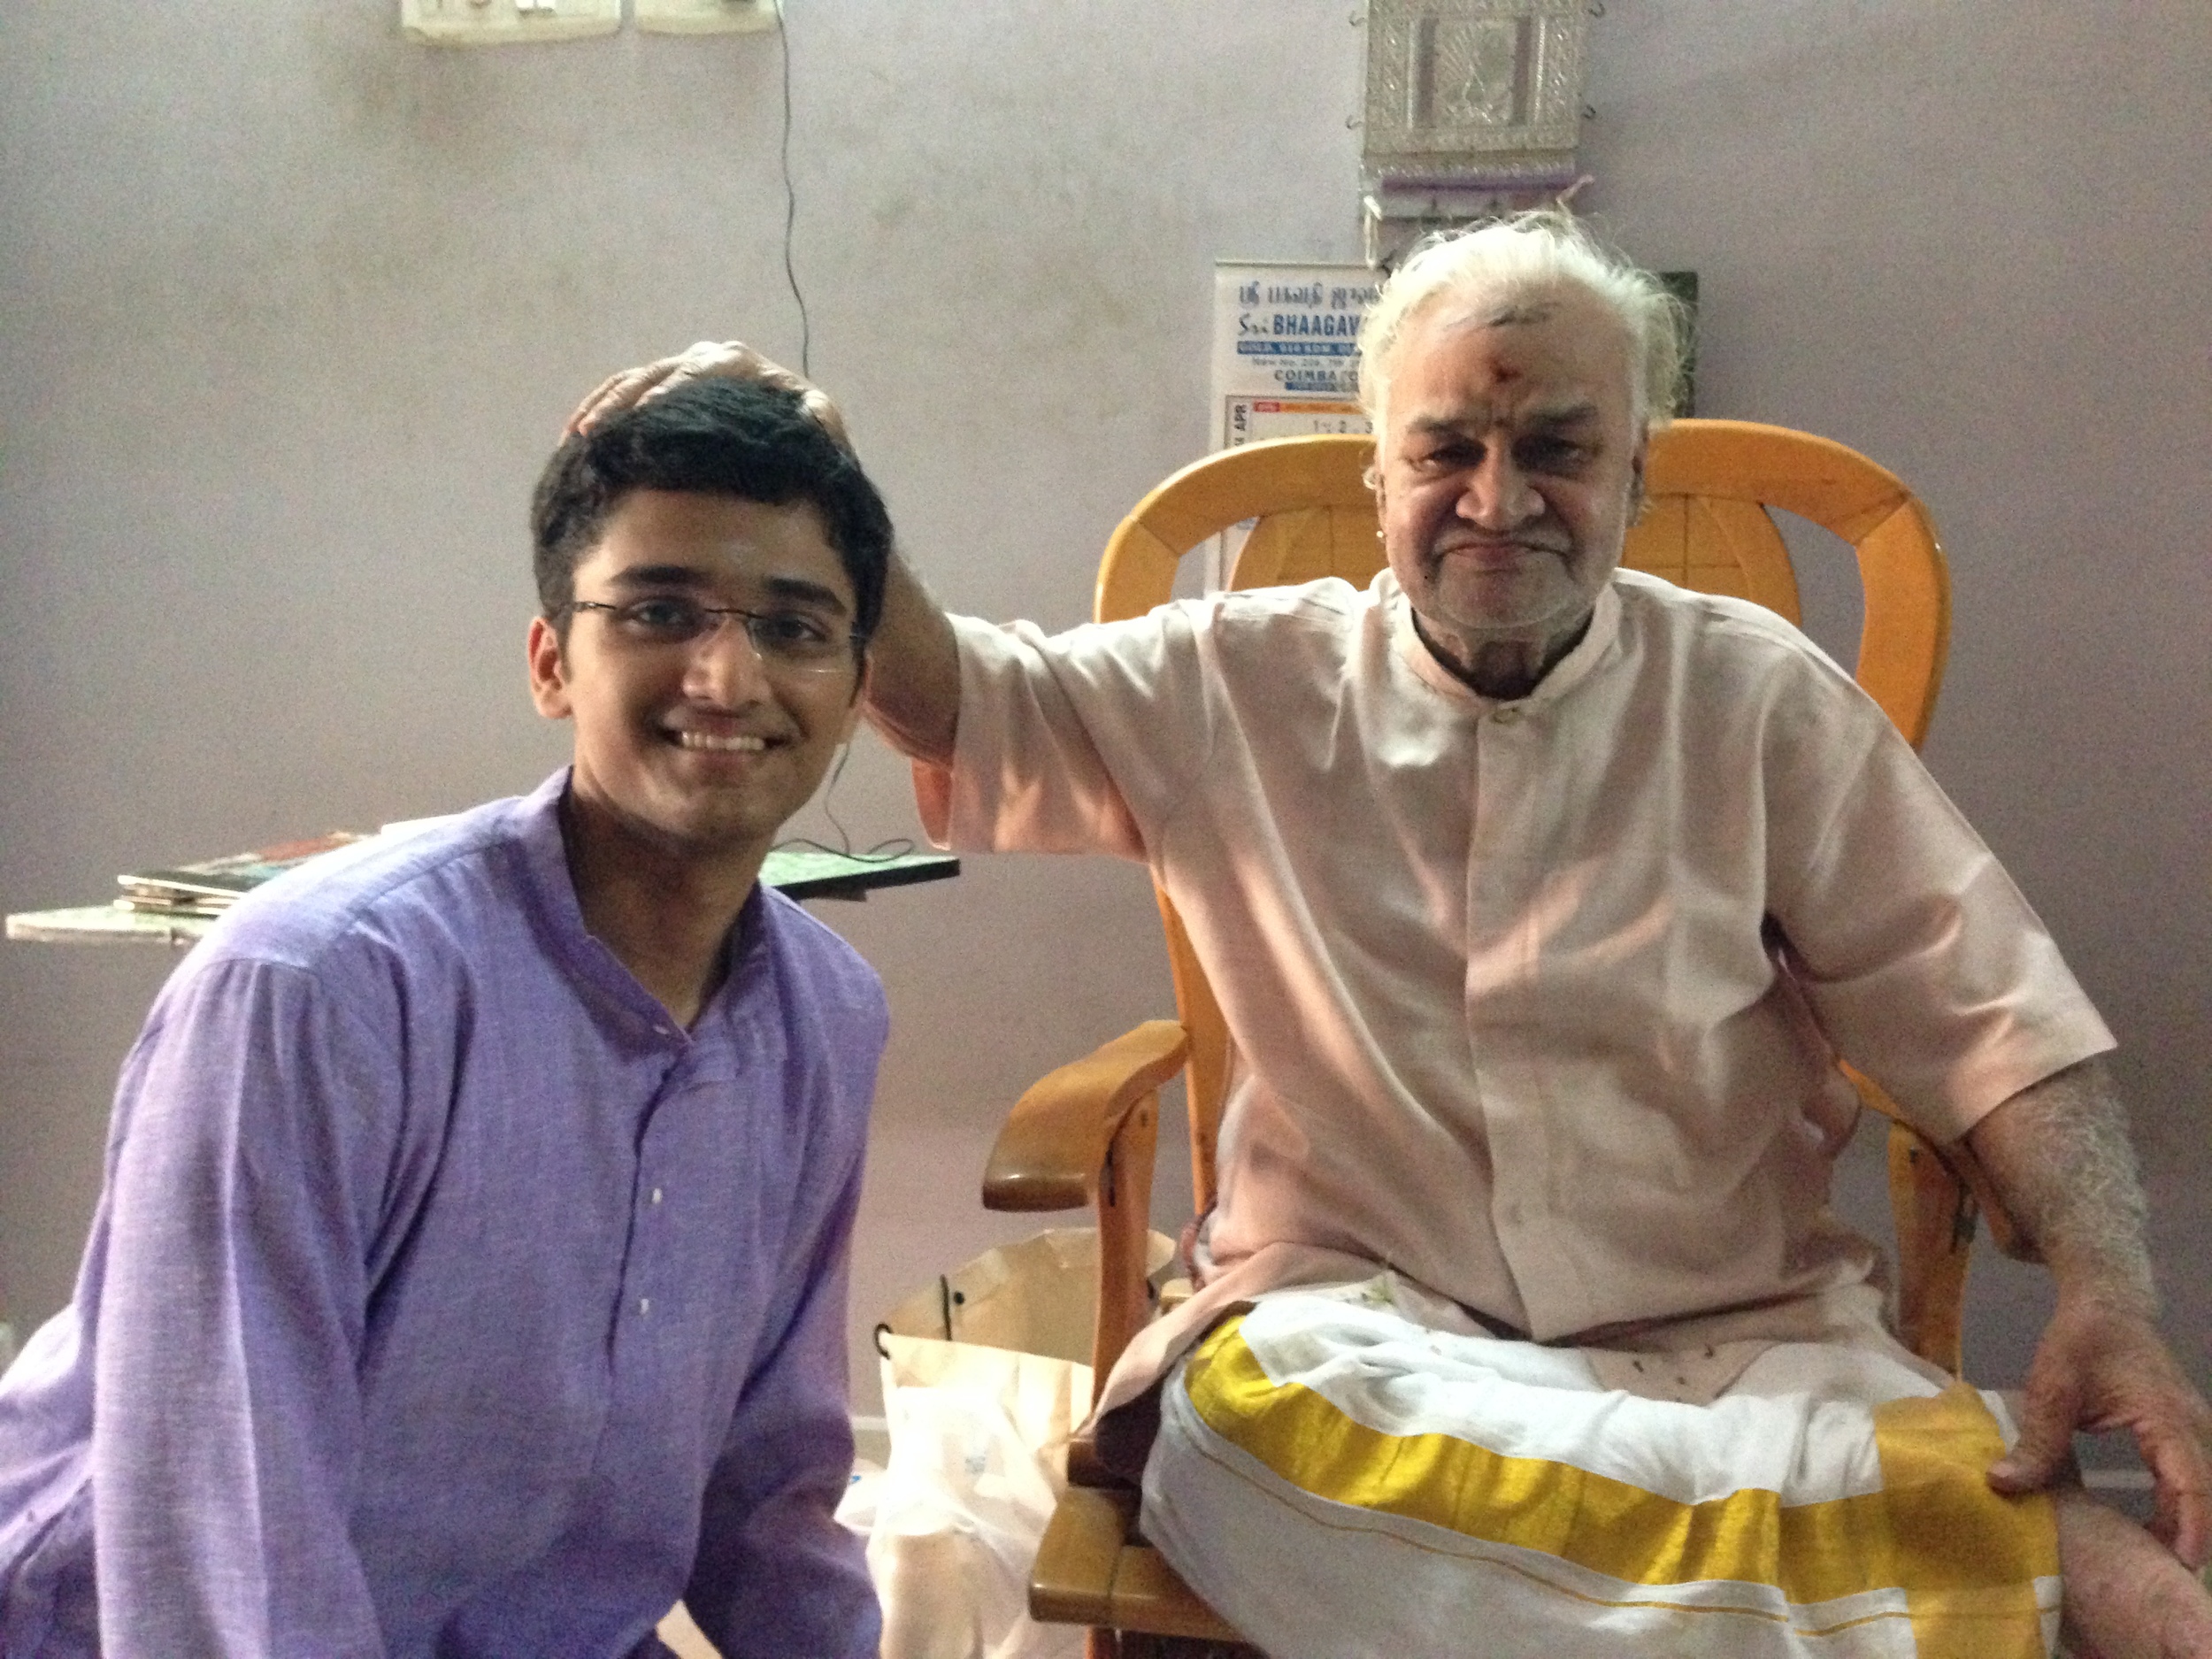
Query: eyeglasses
(781, 638)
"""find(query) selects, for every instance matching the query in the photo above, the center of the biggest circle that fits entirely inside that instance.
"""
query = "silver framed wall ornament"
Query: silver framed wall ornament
(1472, 107)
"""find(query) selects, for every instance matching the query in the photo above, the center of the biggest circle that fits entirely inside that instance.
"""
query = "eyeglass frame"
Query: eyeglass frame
(717, 617)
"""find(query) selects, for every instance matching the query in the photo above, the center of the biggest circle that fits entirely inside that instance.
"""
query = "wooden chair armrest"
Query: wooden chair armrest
(1054, 1144)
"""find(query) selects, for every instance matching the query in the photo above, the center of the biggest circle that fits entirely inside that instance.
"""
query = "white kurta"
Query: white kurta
(1502, 976)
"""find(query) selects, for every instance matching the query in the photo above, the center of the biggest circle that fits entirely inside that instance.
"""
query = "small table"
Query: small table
(798, 872)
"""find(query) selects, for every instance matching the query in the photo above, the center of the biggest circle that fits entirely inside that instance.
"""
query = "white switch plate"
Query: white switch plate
(705, 17)
(506, 22)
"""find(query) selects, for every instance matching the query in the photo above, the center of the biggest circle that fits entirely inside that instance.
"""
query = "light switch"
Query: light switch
(705, 17)
(506, 22)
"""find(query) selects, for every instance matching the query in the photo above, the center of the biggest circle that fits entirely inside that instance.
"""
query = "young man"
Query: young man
(470, 1276)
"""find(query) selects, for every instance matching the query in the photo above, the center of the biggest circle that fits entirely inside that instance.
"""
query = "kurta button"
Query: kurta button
(656, 1194)
(644, 1305)
(1506, 717)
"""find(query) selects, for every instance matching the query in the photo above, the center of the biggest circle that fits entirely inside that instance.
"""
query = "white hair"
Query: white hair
(1521, 258)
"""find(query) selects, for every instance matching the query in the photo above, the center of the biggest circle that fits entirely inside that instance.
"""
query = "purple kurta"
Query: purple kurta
(446, 1297)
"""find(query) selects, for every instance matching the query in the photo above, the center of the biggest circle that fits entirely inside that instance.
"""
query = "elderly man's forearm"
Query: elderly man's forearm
(2058, 1154)
(913, 696)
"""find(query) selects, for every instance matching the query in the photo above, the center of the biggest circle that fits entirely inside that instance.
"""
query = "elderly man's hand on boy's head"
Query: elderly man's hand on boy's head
(731, 358)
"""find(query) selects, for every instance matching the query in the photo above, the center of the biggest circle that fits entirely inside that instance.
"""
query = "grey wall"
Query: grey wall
(292, 309)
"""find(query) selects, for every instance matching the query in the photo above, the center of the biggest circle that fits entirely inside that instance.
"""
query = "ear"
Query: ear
(549, 674)
(1635, 464)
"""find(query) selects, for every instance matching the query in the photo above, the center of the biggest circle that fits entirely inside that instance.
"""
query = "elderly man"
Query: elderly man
(470, 1275)
(1539, 897)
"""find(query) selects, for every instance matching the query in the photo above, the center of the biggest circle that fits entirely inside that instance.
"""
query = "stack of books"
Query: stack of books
(212, 886)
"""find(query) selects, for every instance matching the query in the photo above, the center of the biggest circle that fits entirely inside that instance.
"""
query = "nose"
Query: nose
(724, 669)
(1498, 495)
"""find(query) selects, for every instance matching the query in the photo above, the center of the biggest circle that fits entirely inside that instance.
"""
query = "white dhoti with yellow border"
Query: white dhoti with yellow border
(1335, 1477)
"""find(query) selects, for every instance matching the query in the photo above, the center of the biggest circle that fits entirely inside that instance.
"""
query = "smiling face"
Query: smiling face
(697, 750)
(1507, 469)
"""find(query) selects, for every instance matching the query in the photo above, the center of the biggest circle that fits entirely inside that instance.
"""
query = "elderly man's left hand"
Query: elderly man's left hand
(2102, 1367)
(2057, 1154)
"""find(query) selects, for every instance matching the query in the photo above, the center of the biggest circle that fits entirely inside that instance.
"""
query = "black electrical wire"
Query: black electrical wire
(882, 852)
(791, 201)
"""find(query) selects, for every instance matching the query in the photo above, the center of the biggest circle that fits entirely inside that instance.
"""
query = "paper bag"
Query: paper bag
(984, 1379)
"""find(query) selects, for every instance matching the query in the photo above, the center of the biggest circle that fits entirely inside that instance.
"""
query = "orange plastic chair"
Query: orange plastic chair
(1086, 1134)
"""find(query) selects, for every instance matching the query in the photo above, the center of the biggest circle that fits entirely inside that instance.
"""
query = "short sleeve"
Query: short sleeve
(1082, 741)
(1920, 958)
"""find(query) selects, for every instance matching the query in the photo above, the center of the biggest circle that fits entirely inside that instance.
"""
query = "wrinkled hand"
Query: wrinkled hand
(731, 359)
(2099, 1368)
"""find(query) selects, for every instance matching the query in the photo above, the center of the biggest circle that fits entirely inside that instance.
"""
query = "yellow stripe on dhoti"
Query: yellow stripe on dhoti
(1337, 1479)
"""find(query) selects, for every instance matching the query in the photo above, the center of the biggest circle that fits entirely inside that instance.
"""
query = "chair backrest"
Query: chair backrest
(1706, 526)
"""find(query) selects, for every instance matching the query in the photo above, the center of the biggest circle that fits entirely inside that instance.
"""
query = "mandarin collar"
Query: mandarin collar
(1595, 646)
(545, 860)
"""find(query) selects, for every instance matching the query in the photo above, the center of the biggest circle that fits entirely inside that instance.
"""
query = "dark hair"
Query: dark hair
(710, 437)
